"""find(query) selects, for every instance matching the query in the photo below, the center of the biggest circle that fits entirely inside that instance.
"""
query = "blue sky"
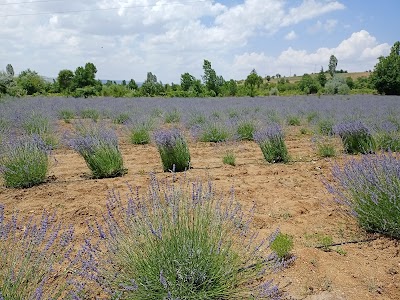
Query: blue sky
(127, 38)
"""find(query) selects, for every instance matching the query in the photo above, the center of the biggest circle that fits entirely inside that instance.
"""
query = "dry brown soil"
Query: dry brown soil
(290, 196)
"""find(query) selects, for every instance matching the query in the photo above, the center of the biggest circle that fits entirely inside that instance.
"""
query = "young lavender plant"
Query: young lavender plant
(40, 125)
(34, 258)
(214, 132)
(356, 137)
(245, 130)
(370, 189)
(272, 144)
(24, 161)
(181, 241)
(99, 148)
(173, 149)
(140, 132)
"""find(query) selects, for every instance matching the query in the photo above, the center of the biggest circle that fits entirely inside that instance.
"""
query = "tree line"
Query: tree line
(385, 79)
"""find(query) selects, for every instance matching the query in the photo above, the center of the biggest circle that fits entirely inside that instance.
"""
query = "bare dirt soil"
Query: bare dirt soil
(289, 196)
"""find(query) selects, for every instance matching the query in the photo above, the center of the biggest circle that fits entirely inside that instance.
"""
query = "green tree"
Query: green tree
(230, 88)
(65, 79)
(10, 70)
(308, 84)
(187, 81)
(332, 65)
(212, 82)
(252, 82)
(132, 85)
(350, 82)
(151, 87)
(5, 82)
(386, 75)
(85, 76)
(31, 82)
(322, 77)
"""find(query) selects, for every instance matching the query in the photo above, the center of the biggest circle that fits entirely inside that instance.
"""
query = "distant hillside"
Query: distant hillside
(353, 75)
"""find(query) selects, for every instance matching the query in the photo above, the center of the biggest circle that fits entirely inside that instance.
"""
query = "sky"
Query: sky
(127, 38)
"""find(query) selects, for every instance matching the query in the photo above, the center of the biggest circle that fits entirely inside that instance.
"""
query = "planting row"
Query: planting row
(24, 160)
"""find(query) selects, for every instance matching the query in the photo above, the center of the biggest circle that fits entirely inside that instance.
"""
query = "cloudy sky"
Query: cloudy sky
(127, 38)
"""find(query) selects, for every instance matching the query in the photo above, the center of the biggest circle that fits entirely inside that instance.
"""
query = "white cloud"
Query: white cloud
(357, 53)
(328, 26)
(127, 38)
(291, 36)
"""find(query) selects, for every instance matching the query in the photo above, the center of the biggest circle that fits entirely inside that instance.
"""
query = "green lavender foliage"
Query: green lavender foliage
(24, 162)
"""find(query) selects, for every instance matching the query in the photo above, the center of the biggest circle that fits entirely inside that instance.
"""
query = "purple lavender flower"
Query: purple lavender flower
(272, 144)
(99, 148)
(31, 256)
(356, 137)
(173, 150)
(370, 189)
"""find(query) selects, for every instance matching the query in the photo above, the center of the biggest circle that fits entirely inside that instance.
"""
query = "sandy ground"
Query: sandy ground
(289, 196)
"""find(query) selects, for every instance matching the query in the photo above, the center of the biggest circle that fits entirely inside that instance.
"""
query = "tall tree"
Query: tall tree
(211, 80)
(10, 70)
(332, 65)
(85, 76)
(64, 79)
(252, 81)
(31, 82)
(386, 75)
(150, 86)
(322, 77)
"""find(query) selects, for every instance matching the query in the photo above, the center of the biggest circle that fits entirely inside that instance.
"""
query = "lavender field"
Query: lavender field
(324, 171)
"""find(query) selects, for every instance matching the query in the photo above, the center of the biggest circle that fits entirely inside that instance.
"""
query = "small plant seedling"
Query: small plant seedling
(282, 245)
(341, 251)
(326, 242)
(303, 130)
(229, 158)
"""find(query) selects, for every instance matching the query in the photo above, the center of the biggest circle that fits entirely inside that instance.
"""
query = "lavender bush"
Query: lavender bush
(272, 144)
(140, 132)
(34, 258)
(99, 147)
(388, 137)
(356, 137)
(24, 161)
(214, 132)
(173, 149)
(245, 130)
(39, 124)
(182, 241)
(370, 188)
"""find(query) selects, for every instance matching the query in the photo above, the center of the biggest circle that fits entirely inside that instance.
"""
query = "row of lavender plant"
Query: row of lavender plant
(370, 109)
